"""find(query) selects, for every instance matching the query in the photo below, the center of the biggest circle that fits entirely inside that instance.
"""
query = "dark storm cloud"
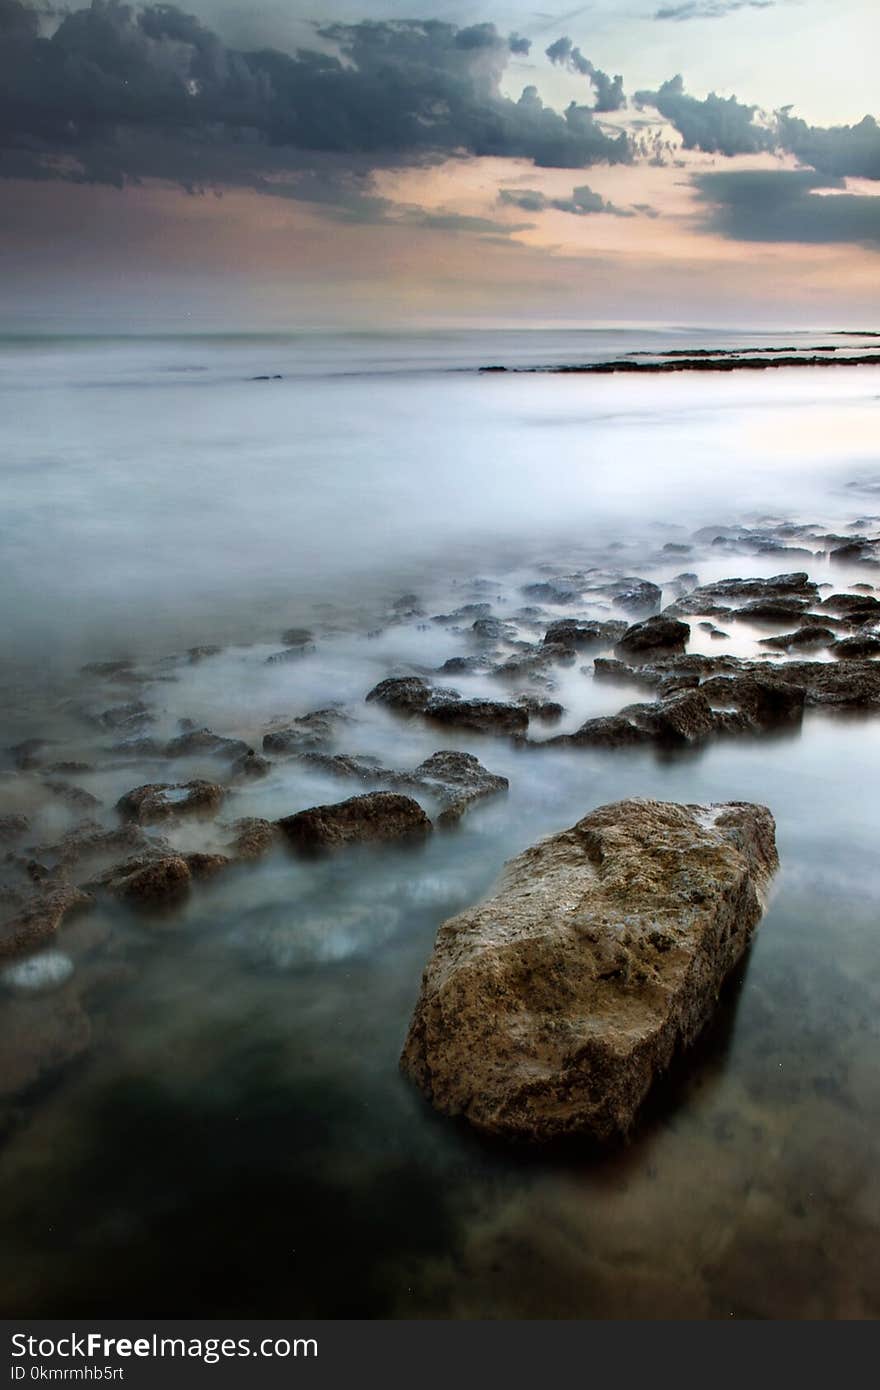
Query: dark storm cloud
(723, 125)
(718, 125)
(115, 91)
(517, 44)
(582, 203)
(851, 151)
(710, 9)
(783, 205)
(609, 90)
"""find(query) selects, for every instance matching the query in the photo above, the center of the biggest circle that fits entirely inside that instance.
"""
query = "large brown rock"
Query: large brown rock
(375, 816)
(550, 1008)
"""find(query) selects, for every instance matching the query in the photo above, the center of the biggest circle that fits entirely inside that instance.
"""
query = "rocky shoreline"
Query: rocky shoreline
(187, 802)
(708, 360)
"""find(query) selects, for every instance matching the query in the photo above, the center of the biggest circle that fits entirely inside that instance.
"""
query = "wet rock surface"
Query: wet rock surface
(720, 597)
(576, 634)
(637, 596)
(656, 634)
(308, 731)
(371, 818)
(198, 741)
(39, 918)
(252, 837)
(846, 685)
(412, 695)
(458, 780)
(550, 1009)
(150, 880)
(158, 801)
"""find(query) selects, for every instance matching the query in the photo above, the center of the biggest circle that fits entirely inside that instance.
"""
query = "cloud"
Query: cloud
(609, 90)
(723, 125)
(117, 93)
(846, 151)
(710, 9)
(582, 203)
(786, 205)
(517, 44)
(717, 125)
(348, 197)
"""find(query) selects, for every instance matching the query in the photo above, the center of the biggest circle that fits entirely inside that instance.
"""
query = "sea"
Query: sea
(201, 1112)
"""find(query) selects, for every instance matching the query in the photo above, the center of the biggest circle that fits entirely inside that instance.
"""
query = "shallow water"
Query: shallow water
(235, 1137)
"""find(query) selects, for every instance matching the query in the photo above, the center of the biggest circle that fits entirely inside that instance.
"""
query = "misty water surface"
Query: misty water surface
(236, 1139)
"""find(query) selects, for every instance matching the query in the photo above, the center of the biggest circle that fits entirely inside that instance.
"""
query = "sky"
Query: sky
(335, 164)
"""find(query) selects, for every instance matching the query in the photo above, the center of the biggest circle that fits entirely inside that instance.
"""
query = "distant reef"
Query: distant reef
(707, 360)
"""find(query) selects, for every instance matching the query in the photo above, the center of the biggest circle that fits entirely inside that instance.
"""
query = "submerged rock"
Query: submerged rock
(861, 645)
(39, 918)
(74, 796)
(251, 765)
(290, 654)
(454, 779)
(297, 637)
(689, 711)
(853, 684)
(373, 817)
(156, 876)
(29, 753)
(656, 634)
(550, 1009)
(462, 665)
(409, 694)
(576, 634)
(550, 711)
(12, 827)
(532, 662)
(80, 852)
(467, 613)
(252, 837)
(772, 610)
(157, 801)
(481, 716)
(682, 719)
(760, 705)
(459, 780)
(637, 596)
(412, 695)
(119, 717)
(308, 731)
(493, 630)
(718, 598)
(856, 607)
(547, 592)
(811, 635)
(197, 741)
